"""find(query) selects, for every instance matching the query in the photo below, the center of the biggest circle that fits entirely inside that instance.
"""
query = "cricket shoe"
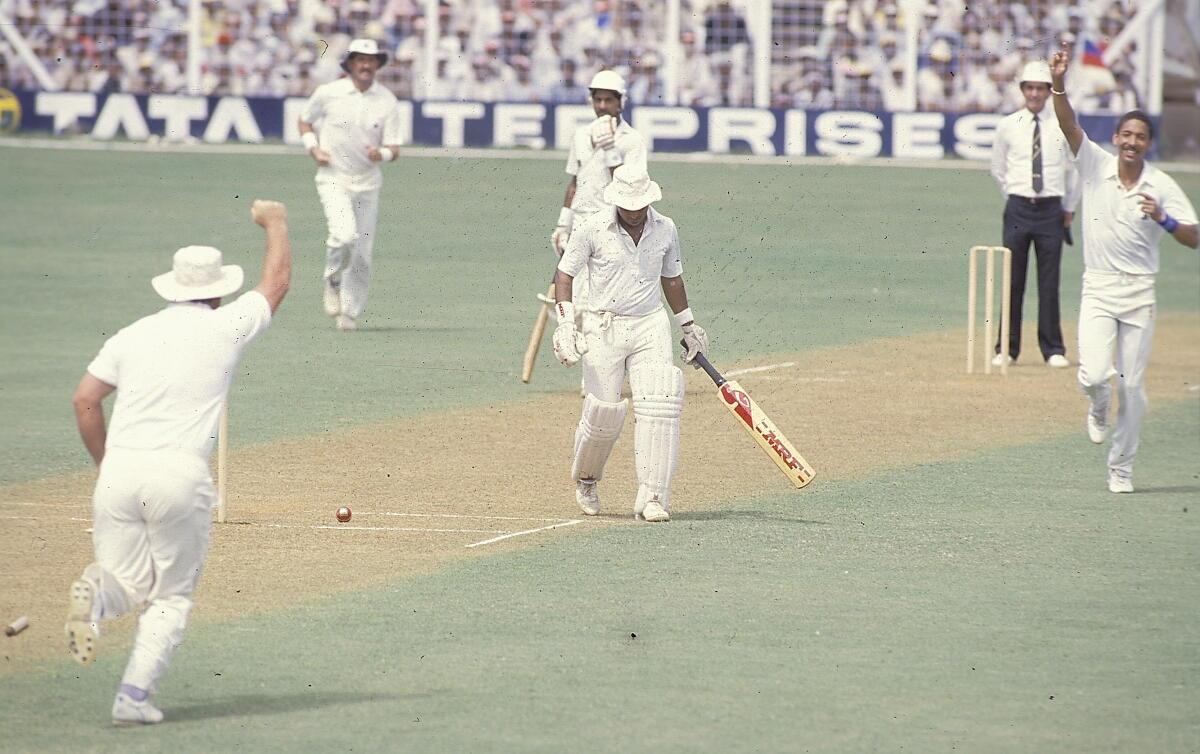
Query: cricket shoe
(1097, 427)
(128, 712)
(1057, 361)
(1118, 482)
(1002, 359)
(346, 323)
(82, 631)
(588, 497)
(655, 512)
(332, 299)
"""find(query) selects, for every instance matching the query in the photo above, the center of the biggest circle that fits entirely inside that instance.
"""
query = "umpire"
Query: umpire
(1031, 163)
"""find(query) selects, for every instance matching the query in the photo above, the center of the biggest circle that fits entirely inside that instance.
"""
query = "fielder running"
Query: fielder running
(631, 253)
(597, 149)
(349, 126)
(1128, 205)
(152, 507)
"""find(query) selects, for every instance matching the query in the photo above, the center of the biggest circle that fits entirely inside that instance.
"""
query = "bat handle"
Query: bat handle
(707, 366)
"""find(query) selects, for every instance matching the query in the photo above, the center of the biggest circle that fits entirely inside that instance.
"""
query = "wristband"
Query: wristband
(1055, 91)
(310, 141)
(566, 217)
(685, 317)
(1169, 223)
(387, 154)
(566, 312)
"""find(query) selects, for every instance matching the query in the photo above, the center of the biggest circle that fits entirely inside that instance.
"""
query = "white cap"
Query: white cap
(197, 275)
(1036, 71)
(631, 188)
(363, 47)
(609, 80)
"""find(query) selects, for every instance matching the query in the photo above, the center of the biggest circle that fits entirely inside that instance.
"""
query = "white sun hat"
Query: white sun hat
(1036, 71)
(364, 47)
(631, 188)
(196, 275)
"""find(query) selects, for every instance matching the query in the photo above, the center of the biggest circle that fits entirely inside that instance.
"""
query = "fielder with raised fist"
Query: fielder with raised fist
(631, 253)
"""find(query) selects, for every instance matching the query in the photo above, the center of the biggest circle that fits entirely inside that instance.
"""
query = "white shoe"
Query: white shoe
(1097, 428)
(346, 323)
(999, 360)
(82, 632)
(1057, 361)
(654, 512)
(126, 711)
(332, 300)
(588, 497)
(1119, 483)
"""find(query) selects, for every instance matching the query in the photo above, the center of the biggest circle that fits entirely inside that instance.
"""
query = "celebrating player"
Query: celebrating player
(357, 126)
(153, 501)
(1128, 205)
(631, 253)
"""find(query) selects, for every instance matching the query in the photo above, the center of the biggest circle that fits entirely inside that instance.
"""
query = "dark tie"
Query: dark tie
(1037, 156)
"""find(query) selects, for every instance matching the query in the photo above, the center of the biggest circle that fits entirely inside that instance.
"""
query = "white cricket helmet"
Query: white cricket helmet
(609, 80)
(1036, 71)
(363, 47)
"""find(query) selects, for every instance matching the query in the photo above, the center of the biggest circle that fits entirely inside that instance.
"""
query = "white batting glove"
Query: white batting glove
(694, 336)
(569, 345)
(562, 231)
(604, 132)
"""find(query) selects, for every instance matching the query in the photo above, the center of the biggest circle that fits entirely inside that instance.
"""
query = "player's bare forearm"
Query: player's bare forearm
(1062, 106)
(563, 285)
(89, 414)
(1188, 235)
(676, 294)
(277, 262)
(569, 196)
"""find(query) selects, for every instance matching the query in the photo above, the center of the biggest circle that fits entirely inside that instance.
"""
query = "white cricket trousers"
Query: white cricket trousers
(618, 345)
(350, 217)
(1116, 327)
(152, 513)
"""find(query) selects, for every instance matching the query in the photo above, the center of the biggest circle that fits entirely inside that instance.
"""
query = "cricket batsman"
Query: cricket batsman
(631, 252)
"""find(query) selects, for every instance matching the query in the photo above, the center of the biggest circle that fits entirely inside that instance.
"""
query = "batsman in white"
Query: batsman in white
(1128, 205)
(597, 149)
(349, 126)
(152, 506)
(632, 254)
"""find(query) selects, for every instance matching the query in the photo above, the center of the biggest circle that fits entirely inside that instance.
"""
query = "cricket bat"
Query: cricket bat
(535, 337)
(756, 422)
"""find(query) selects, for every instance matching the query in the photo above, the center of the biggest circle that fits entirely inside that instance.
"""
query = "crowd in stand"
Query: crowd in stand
(840, 53)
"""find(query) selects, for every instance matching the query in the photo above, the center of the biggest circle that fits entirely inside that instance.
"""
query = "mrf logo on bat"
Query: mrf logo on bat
(741, 405)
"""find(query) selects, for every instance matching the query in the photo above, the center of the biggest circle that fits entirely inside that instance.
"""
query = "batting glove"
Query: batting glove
(562, 231)
(569, 345)
(694, 336)
(604, 132)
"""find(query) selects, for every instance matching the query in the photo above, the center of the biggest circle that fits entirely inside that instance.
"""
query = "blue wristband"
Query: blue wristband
(1168, 223)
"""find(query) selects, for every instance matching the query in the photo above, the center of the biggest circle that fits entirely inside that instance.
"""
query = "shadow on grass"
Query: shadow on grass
(1183, 489)
(269, 704)
(745, 514)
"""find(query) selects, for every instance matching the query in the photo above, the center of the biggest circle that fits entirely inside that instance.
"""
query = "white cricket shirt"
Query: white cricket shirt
(1117, 237)
(591, 173)
(625, 279)
(172, 371)
(348, 121)
(1012, 158)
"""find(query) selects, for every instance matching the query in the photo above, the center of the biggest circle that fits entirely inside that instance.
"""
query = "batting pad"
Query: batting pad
(657, 406)
(597, 433)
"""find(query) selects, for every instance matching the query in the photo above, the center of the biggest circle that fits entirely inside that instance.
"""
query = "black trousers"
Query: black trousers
(1038, 222)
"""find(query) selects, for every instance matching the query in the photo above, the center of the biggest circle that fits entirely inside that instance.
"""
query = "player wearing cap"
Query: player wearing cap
(1031, 164)
(1128, 206)
(349, 126)
(152, 507)
(631, 253)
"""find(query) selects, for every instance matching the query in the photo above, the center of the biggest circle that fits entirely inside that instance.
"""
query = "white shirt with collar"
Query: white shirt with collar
(1117, 237)
(590, 169)
(1012, 158)
(348, 121)
(625, 279)
(172, 371)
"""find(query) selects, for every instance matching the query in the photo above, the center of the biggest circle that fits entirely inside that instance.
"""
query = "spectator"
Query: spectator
(569, 90)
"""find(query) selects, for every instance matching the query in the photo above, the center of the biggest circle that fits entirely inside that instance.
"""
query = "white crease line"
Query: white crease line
(44, 518)
(455, 515)
(572, 522)
(1194, 389)
(381, 528)
(767, 368)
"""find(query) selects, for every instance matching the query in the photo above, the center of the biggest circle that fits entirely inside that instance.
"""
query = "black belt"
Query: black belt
(1036, 201)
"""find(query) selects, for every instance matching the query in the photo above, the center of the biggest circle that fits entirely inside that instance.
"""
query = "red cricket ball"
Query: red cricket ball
(343, 514)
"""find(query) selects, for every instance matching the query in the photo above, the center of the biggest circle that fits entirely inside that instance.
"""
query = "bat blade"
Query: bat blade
(535, 337)
(768, 436)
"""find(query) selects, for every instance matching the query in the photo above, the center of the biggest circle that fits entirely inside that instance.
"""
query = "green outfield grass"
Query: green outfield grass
(998, 603)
